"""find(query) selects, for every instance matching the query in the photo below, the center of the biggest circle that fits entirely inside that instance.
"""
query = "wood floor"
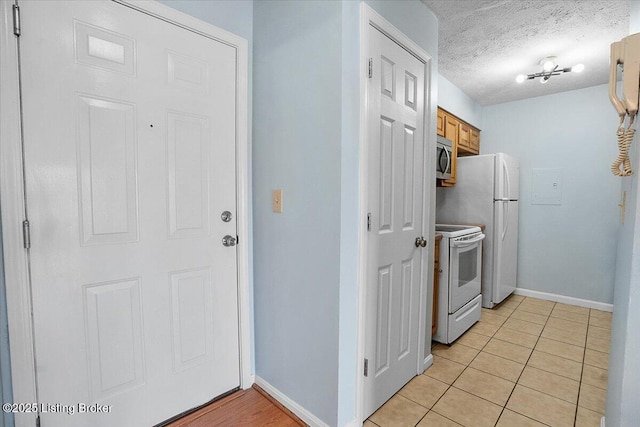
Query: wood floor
(244, 408)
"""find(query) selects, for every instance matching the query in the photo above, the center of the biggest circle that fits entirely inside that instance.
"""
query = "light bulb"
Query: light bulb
(548, 65)
(578, 68)
(521, 78)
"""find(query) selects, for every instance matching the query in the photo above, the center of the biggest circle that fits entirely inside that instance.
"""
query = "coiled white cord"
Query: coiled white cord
(625, 138)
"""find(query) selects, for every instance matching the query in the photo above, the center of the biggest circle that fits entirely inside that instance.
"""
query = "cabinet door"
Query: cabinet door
(475, 141)
(464, 135)
(440, 126)
(451, 126)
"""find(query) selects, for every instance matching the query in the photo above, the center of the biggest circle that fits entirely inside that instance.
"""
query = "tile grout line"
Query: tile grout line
(525, 367)
(468, 365)
(491, 337)
(584, 356)
(480, 351)
(516, 383)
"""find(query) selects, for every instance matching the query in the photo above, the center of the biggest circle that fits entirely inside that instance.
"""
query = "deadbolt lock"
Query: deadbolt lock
(225, 216)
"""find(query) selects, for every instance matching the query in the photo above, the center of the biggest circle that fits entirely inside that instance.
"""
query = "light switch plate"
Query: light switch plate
(277, 201)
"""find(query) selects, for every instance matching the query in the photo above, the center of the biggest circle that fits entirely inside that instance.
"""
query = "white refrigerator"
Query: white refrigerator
(486, 192)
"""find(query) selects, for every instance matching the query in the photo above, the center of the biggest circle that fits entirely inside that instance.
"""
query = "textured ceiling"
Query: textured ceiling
(485, 44)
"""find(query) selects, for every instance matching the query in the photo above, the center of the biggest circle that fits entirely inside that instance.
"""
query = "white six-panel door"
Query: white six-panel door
(129, 135)
(395, 144)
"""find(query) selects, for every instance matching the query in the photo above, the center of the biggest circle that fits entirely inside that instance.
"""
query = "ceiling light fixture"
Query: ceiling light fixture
(549, 68)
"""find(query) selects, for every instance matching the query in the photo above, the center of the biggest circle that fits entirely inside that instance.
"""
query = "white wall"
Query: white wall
(624, 371)
(458, 103)
(566, 249)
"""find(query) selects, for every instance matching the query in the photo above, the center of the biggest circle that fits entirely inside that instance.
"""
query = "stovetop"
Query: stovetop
(455, 230)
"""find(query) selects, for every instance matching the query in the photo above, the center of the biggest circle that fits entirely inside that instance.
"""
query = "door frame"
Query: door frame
(369, 17)
(12, 197)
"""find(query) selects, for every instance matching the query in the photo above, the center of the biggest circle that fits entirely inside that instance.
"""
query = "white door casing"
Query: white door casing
(140, 327)
(395, 138)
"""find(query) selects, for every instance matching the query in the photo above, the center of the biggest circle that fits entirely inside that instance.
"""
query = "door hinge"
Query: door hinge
(369, 222)
(16, 20)
(366, 367)
(370, 67)
(26, 234)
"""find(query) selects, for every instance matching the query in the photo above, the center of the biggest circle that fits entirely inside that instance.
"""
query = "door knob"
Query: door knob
(420, 242)
(228, 241)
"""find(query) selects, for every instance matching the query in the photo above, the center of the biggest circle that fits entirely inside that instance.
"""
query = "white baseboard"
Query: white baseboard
(353, 423)
(564, 299)
(602, 422)
(290, 404)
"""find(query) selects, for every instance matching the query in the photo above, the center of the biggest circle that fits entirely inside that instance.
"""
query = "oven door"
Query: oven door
(443, 162)
(465, 269)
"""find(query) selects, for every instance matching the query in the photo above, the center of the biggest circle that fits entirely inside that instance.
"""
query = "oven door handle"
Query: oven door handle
(465, 243)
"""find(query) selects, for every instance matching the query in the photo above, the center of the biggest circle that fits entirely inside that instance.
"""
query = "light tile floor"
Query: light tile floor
(526, 363)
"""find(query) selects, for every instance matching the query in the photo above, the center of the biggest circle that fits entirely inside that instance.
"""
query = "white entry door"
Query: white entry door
(129, 135)
(395, 138)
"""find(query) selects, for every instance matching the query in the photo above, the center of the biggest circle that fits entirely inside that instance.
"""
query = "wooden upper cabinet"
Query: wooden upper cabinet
(440, 128)
(465, 141)
(451, 132)
(475, 141)
(464, 134)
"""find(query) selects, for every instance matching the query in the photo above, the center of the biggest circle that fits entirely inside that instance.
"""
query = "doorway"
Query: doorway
(134, 134)
(397, 177)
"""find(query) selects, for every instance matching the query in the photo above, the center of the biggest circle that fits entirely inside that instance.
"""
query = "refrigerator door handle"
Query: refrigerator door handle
(505, 170)
(505, 226)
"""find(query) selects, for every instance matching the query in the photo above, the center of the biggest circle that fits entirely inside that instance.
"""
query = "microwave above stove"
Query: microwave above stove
(443, 158)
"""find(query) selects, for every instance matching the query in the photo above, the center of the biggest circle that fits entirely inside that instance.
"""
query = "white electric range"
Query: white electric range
(460, 275)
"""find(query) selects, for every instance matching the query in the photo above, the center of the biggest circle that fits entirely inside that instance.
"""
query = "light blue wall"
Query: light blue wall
(235, 16)
(306, 136)
(415, 21)
(624, 370)
(349, 221)
(458, 103)
(297, 148)
(567, 249)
